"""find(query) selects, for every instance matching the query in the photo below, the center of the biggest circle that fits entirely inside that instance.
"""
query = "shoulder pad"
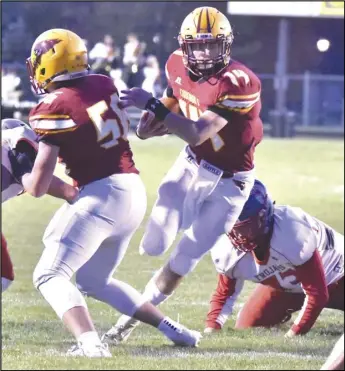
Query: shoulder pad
(239, 89)
(50, 115)
(293, 235)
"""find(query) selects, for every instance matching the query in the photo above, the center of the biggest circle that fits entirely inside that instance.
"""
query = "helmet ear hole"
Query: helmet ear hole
(43, 71)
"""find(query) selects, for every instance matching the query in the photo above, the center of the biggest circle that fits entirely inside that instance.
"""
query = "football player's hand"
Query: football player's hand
(20, 163)
(148, 128)
(136, 97)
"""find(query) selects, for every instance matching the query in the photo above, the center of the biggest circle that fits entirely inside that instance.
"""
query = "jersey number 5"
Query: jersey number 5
(117, 125)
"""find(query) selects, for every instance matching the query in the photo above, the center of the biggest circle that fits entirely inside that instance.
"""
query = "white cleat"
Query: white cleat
(121, 331)
(179, 334)
(210, 330)
(96, 351)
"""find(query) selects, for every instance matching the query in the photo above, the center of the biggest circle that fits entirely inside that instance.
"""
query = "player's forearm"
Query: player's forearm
(59, 189)
(194, 133)
(183, 127)
(312, 277)
(35, 184)
(223, 300)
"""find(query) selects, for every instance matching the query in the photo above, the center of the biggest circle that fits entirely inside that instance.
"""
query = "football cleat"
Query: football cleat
(121, 331)
(96, 351)
(179, 334)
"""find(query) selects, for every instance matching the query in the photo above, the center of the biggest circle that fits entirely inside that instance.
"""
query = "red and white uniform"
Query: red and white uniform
(16, 138)
(91, 235)
(214, 178)
(305, 258)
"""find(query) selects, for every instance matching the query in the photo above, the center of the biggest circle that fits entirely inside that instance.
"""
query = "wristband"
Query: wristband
(157, 108)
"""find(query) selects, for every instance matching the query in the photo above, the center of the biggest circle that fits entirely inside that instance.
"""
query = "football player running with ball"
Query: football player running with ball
(205, 190)
(80, 122)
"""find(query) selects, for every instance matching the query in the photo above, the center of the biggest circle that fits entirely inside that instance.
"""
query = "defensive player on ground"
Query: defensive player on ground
(297, 261)
(205, 190)
(80, 121)
(19, 145)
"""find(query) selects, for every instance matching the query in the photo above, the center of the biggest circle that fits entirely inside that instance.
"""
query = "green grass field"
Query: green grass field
(307, 173)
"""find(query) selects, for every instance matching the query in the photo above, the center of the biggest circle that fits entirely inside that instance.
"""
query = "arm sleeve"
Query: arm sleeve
(223, 300)
(312, 277)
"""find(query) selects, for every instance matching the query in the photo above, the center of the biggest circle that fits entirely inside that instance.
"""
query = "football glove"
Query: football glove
(20, 163)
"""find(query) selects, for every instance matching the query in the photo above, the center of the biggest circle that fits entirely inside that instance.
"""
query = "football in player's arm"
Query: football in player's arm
(204, 191)
(297, 261)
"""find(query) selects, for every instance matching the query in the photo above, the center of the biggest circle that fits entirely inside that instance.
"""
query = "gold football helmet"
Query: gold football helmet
(56, 55)
(205, 39)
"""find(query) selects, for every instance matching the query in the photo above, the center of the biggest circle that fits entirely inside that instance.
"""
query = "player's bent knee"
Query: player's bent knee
(89, 285)
(43, 274)
(155, 241)
(62, 295)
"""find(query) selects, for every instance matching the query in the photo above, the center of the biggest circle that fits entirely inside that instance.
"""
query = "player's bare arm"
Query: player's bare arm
(37, 182)
(193, 132)
(59, 189)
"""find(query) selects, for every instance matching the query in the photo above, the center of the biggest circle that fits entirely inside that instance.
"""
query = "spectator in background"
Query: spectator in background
(116, 75)
(10, 87)
(104, 56)
(152, 82)
(133, 59)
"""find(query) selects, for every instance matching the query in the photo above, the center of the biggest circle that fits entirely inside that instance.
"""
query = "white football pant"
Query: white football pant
(90, 238)
(205, 221)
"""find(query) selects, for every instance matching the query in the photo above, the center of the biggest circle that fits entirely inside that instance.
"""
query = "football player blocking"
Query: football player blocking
(297, 261)
(18, 144)
(205, 190)
(89, 235)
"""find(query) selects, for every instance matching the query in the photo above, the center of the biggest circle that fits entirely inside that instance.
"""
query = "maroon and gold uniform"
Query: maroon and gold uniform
(84, 120)
(234, 95)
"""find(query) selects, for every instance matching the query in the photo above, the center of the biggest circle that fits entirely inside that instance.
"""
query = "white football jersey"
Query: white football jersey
(9, 140)
(296, 235)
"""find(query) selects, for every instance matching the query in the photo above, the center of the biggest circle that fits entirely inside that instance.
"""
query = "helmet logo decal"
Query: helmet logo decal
(40, 49)
(198, 28)
(208, 21)
(204, 23)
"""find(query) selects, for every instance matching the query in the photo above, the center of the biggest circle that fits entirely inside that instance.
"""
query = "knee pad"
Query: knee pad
(187, 254)
(88, 284)
(155, 241)
(62, 295)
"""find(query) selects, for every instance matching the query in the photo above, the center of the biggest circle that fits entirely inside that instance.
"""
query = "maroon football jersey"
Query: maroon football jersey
(85, 121)
(234, 95)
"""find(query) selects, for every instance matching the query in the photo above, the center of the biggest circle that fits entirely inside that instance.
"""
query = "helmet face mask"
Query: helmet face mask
(206, 57)
(245, 235)
(255, 223)
(205, 39)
